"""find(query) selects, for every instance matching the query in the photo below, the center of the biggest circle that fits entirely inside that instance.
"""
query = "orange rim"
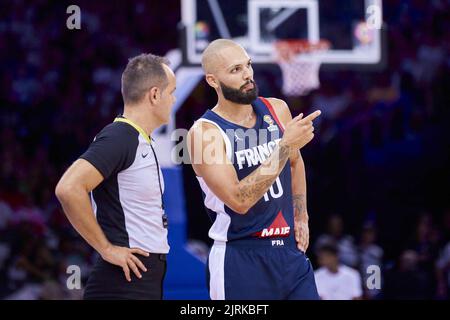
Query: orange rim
(288, 48)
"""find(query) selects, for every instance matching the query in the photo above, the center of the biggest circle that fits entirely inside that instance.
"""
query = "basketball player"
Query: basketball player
(254, 184)
(119, 180)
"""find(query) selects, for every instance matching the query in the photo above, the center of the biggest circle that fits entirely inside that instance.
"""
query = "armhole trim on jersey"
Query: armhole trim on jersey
(272, 112)
(224, 136)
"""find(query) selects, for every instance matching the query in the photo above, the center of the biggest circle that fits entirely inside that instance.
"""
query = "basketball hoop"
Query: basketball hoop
(299, 61)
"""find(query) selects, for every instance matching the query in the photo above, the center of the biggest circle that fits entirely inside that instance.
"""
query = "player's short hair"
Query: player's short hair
(142, 73)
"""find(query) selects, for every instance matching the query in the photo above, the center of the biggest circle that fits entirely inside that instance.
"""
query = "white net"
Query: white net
(299, 77)
(300, 63)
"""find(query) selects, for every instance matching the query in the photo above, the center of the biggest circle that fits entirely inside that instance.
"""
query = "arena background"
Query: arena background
(377, 169)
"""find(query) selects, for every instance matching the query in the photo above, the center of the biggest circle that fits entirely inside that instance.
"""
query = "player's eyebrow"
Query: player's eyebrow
(238, 64)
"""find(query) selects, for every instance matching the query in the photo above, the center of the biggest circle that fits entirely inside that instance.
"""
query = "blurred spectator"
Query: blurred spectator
(5, 214)
(337, 101)
(406, 281)
(370, 255)
(336, 281)
(33, 265)
(348, 254)
(426, 245)
(443, 273)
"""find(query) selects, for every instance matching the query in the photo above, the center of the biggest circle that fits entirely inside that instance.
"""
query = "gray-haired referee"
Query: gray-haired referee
(112, 194)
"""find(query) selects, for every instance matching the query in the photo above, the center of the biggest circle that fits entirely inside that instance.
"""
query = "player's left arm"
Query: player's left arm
(301, 228)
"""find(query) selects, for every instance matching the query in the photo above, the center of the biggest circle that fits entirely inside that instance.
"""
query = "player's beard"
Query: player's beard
(239, 95)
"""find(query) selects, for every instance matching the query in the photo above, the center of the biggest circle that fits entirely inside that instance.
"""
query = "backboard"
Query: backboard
(353, 27)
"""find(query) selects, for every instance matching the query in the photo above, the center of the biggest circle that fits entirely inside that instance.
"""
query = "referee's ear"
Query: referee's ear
(154, 95)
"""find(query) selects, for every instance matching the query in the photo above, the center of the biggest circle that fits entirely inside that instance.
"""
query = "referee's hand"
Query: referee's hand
(125, 257)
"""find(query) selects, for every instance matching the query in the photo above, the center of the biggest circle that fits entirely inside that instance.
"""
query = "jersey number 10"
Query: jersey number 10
(272, 192)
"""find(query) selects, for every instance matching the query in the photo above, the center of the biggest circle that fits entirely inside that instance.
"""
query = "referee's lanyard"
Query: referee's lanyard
(147, 138)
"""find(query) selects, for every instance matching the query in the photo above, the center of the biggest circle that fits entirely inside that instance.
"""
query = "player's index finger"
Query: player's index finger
(312, 116)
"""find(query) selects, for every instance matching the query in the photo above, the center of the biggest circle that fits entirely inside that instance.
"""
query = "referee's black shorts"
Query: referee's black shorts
(108, 282)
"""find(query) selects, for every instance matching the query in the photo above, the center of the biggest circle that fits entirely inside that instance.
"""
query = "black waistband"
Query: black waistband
(160, 256)
(152, 256)
(279, 242)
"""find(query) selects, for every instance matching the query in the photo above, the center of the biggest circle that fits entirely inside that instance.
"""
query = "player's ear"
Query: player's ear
(154, 95)
(211, 80)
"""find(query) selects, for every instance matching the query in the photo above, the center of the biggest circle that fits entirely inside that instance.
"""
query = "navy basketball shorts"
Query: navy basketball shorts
(108, 282)
(260, 269)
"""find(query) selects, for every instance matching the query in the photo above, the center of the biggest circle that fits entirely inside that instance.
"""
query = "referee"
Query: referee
(112, 194)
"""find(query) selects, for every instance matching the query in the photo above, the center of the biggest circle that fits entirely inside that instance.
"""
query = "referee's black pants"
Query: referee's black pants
(108, 282)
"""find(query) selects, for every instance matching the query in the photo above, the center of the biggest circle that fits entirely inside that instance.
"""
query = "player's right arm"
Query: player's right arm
(209, 160)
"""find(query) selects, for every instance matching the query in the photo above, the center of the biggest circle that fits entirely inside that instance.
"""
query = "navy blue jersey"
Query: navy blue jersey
(272, 216)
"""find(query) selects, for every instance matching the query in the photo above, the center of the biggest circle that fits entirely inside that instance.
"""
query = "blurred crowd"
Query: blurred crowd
(381, 149)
